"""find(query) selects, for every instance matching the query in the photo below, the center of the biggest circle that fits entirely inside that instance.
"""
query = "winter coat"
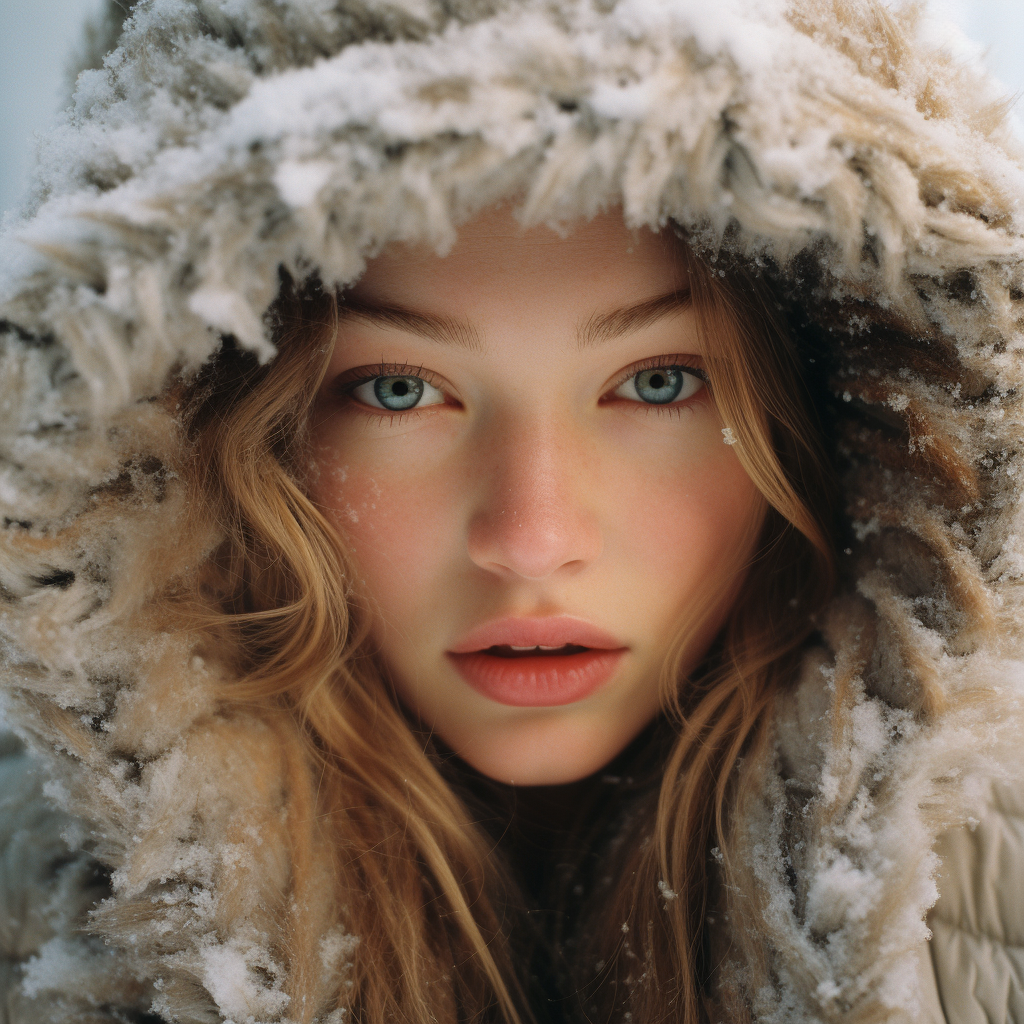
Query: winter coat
(837, 147)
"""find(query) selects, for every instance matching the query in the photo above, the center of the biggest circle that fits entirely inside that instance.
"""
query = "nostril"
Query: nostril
(532, 547)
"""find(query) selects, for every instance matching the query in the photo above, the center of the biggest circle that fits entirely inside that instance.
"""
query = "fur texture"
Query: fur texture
(826, 141)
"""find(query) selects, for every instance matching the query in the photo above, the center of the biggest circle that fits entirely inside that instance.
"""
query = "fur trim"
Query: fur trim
(823, 140)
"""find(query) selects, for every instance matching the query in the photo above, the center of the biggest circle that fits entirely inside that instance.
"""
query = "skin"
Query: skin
(533, 488)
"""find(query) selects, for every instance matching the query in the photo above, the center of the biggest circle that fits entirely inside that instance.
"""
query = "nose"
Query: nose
(533, 518)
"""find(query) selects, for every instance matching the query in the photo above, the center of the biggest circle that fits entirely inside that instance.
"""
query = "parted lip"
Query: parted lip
(551, 631)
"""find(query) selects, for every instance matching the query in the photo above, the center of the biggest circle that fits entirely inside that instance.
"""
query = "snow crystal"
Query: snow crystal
(863, 529)
(827, 991)
(230, 977)
(336, 947)
(299, 182)
(841, 891)
(748, 30)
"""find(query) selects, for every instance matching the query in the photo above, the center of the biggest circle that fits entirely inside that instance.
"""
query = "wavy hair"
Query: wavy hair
(420, 882)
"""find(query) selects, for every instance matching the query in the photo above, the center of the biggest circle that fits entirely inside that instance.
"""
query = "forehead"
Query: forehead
(596, 264)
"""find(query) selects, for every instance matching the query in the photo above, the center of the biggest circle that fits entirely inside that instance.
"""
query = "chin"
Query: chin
(541, 751)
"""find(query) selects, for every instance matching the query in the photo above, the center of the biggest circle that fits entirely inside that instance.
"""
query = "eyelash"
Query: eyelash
(349, 381)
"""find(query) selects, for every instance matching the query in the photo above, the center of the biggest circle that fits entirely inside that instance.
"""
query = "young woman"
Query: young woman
(512, 515)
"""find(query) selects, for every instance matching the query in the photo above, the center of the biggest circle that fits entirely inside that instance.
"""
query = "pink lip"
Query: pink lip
(542, 680)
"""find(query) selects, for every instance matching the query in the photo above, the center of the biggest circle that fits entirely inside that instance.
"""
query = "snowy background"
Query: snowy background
(37, 36)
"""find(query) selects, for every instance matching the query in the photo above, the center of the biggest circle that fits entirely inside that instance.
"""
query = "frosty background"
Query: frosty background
(36, 37)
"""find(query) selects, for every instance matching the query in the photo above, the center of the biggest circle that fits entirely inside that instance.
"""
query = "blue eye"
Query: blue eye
(660, 385)
(398, 393)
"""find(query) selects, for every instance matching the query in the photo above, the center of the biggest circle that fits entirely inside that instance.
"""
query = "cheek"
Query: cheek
(398, 523)
(684, 522)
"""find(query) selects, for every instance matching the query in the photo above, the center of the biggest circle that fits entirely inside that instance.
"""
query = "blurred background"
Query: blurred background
(37, 38)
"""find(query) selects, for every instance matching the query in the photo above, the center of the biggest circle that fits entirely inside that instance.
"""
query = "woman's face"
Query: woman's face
(517, 443)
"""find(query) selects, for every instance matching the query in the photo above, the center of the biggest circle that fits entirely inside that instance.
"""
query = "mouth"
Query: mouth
(546, 662)
(522, 635)
(511, 651)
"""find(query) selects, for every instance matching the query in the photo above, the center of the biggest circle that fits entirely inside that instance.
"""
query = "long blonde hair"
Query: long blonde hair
(420, 883)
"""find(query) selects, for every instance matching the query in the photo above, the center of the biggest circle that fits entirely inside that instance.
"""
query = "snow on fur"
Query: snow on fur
(223, 140)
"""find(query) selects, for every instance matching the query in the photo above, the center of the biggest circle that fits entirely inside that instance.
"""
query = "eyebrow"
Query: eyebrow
(448, 330)
(627, 319)
(445, 330)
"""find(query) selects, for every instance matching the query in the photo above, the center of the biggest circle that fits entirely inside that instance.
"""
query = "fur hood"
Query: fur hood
(830, 143)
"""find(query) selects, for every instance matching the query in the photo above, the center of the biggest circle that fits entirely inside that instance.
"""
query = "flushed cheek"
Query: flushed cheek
(682, 528)
(399, 528)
